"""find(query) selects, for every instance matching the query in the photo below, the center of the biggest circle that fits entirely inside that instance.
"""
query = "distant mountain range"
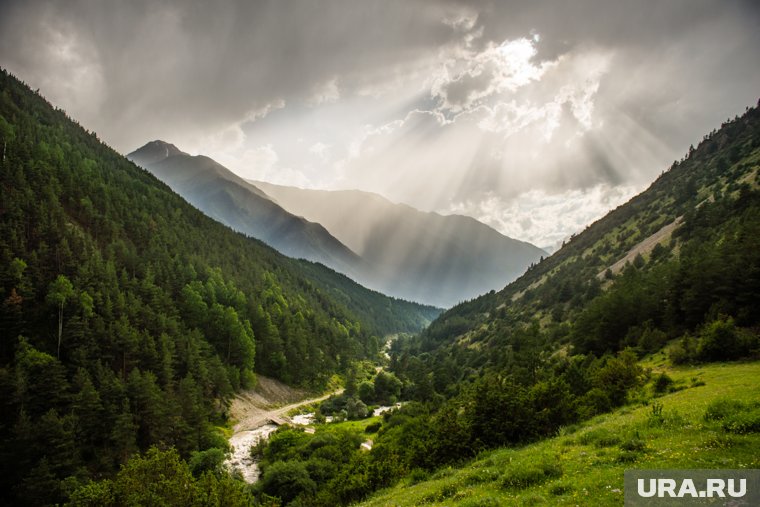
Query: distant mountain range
(392, 248)
(438, 259)
(224, 196)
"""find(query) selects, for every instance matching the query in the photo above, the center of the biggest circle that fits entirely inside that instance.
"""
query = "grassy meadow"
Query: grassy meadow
(584, 464)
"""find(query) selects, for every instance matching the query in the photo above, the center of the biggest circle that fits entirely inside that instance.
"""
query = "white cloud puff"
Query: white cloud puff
(546, 219)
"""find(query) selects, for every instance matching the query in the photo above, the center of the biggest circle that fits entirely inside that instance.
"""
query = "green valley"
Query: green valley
(544, 392)
(129, 319)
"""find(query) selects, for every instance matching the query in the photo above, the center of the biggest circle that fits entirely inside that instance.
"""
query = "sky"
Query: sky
(535, 117)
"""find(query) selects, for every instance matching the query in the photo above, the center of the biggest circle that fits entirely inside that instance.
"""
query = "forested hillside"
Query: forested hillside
(129, 318)
(676, 272)
(226, 197)
(682, 254)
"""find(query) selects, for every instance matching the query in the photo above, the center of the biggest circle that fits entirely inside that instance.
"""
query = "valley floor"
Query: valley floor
(584, 464)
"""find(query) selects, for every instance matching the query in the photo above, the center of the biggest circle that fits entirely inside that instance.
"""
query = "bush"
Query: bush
(683, 352)
(210, 460)
(594, 402)
(356, 409)
(662, 383)
(366, 391)
(287, 480)
(618, 375)
(447, 491)
(743, 422)
(487, 501)
(374, 427)
(481, 476)
(722, 408)
(720, 340)
(627, 457)
(656, 417)
(417, 475)
(521, 478)
(634, 444)
(652, 339)
(599, 438)
(560, 489)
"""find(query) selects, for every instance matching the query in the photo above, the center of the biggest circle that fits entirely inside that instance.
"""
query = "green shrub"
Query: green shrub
(743, 422)
(447, 491)
(683, 352)
(211, 460)
(720, 441)
(721, 408)
(560, 489)
(487, 501)
(662, 383)
(721, 340)
(521, 478)
(287, 480)
(656, 417)
(633, 444)
(652, 340)
(481, 476)
(533, 500)
(627, 457)
(417, 475)
(599, 438)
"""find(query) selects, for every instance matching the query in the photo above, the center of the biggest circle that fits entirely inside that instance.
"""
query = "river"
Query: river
(242, 442)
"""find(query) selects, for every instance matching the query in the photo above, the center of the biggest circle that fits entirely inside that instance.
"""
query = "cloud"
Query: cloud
(546, 219)
(262, 163)
(473, 77)
(438, 103)
(507, 139)
(326, 93)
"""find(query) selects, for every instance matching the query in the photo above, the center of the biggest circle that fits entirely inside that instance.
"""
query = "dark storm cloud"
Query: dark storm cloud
(126, 68)
(206, 62)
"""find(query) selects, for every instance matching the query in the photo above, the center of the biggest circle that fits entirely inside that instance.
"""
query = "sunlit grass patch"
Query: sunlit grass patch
(595, 454)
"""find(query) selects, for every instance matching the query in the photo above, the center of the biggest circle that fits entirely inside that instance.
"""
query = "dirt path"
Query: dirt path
(644, 247)
(269, 401)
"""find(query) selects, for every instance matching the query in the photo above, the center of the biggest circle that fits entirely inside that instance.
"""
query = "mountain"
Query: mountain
(438, 259)
(606, 325)
(677, 260)
(392, 248)
(129, 318)
(228, 198)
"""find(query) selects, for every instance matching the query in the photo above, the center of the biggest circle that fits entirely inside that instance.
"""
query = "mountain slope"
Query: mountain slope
(562, 345)
(590, 459)
(129, 318)
(225, 197)
(676, 258)
(412, 254)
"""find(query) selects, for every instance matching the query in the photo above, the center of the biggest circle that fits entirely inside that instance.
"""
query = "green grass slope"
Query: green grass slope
(584, 464)
(722, 166)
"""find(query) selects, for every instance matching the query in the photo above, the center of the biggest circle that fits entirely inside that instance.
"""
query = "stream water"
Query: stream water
(241, 454)
(243, 441)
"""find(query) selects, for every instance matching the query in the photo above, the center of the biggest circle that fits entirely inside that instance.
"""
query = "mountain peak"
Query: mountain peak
(153, 152)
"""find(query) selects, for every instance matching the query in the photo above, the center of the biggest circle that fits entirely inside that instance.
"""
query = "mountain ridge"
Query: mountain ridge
(215, 190)
(129, 318)
(417, 254)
